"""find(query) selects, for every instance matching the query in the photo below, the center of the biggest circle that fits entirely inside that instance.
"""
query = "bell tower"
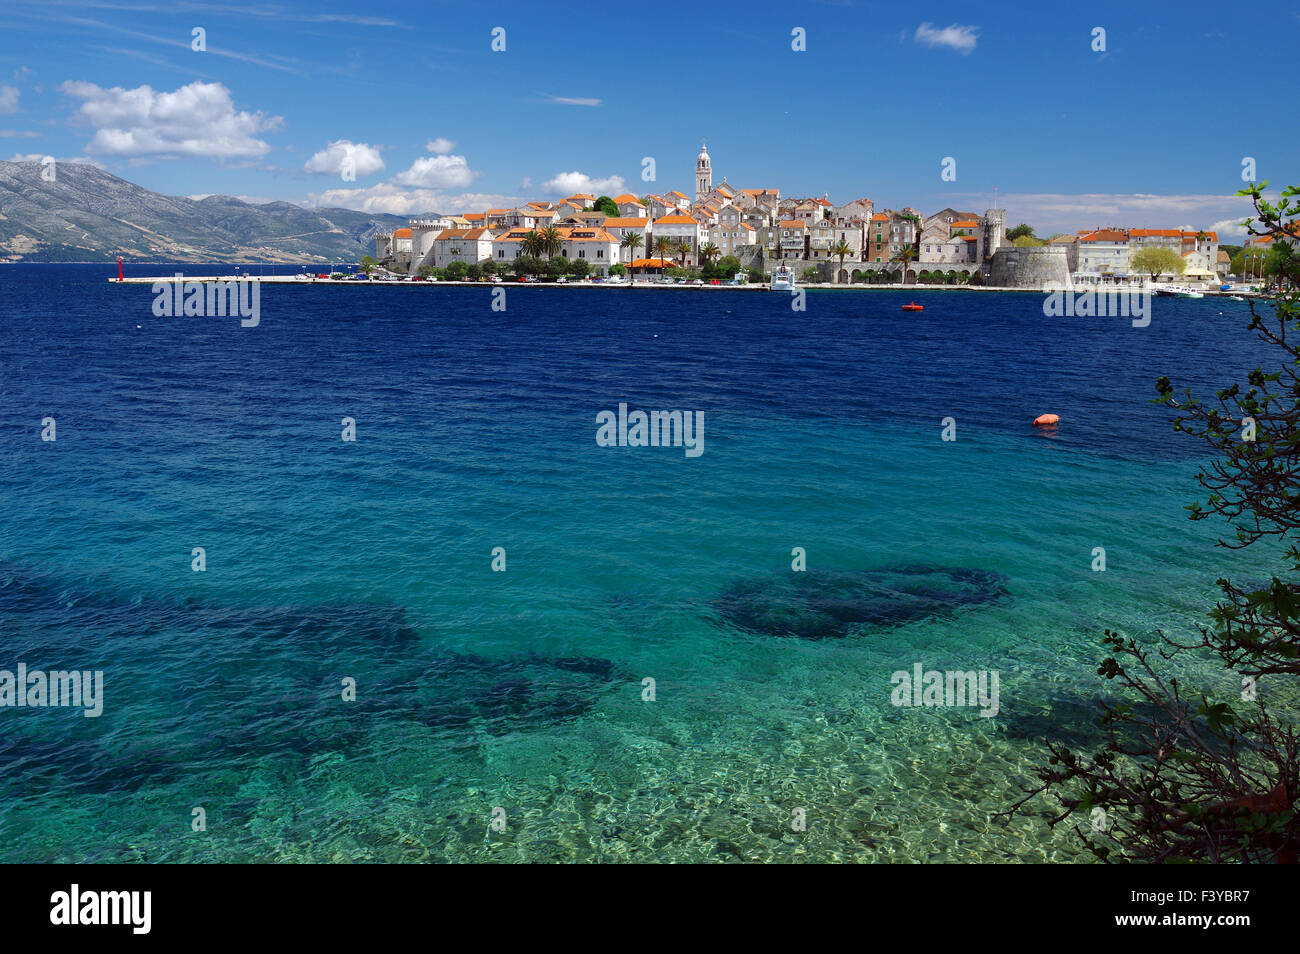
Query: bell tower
(703, 173)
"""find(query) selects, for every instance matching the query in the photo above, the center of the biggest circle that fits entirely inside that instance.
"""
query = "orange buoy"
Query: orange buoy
(913, 307)
(1046, 420)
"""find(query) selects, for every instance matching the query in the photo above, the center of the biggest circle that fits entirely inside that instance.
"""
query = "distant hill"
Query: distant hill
(89, 215)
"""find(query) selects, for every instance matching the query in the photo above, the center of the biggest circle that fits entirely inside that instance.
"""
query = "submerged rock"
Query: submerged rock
(197, 691)
(828, 604)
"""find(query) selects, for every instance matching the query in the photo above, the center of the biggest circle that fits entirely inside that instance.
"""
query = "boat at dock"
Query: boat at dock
(783, 278)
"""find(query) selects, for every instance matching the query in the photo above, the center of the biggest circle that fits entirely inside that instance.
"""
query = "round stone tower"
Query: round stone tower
(995, 231)
(703, 173)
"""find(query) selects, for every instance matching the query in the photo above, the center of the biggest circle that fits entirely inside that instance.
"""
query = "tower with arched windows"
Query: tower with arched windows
(703, 173)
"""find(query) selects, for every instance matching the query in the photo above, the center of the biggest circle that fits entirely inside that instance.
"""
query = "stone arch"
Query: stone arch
(842, 277)
(910, 277)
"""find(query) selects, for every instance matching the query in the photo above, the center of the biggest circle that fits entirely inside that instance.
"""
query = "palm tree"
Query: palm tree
(683, 249)
(532, 244)
(663, 245)
(551, 240)
(632, 241)
(905, 256)
(708, 252)
(843, 249)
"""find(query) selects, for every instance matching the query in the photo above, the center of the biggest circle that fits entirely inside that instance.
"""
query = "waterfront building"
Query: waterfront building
(621, 226)
(677, 228)
(470, 246)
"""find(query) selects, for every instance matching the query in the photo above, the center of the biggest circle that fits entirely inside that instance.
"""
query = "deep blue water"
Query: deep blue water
(523, 690)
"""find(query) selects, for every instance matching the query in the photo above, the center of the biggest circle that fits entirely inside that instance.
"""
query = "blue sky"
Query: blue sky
(1151, 132)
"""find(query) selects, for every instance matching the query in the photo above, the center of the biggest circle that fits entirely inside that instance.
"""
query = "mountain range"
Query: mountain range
(84, 214)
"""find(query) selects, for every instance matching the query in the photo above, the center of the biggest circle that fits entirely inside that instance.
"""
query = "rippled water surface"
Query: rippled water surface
(523, 690)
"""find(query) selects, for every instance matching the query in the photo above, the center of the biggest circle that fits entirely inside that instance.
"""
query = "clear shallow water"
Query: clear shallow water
(522, 690)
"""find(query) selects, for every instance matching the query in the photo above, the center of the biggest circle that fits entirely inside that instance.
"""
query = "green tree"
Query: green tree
(1020, 231)
(708, 252)
(843, 249)
(606, 204)
(456, 271)
(631, 241)
(811, 274)
(663, 246)
(556, 266)
(683, 249)
(579, 268)
(532, 244)
(425, 271)
(474, 272)
(1157, 260)
(904, 257)
(1249, 261)
(527, 265)
(728, 266)
(1188, 774)
(552, 240)
(368, 264)
(1282, 264)
(1027, 241)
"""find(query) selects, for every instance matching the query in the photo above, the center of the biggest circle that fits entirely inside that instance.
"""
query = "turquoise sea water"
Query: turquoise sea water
(523, 690)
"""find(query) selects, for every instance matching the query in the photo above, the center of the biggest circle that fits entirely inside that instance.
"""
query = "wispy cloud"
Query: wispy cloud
(570, 100)
(1067, 213)
(954, 37)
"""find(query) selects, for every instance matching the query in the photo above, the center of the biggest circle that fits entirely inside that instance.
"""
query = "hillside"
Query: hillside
(89, 215)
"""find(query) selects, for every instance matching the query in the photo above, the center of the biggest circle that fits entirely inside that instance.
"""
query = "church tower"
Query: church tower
(703, 173)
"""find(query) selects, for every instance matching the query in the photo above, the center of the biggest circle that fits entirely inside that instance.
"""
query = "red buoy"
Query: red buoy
(119, 268)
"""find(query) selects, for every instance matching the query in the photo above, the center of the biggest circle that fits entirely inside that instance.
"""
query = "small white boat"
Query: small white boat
(783, 279)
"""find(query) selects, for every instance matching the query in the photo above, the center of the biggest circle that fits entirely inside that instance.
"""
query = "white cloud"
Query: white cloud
(362, 158)
(440, 145)
(437, 172)
(567, 183)
(18, 134)
(199, 119)
(1058, 212)
(8, 99)
(571, 100)
(955, 37)
(388, 197)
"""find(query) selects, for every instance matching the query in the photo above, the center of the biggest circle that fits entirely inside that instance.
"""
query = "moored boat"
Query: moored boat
(783, 278)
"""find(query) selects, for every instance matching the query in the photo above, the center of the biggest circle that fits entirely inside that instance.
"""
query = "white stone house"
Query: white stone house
(470, 246)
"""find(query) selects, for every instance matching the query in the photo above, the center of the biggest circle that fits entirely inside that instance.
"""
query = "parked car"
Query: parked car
(562, 280)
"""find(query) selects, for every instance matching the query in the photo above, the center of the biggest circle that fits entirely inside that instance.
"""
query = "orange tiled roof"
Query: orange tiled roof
(473, 216)
(402, 233)
(626, 197)
(653, 263)
(468, 235)
(1150, 233)
(793, 224)
(627, 222)
(880, 217)
(966, 224)
(1105, 235)
(675, 220)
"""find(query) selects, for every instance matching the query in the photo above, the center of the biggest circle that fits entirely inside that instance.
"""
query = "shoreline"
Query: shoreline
(643, 286)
